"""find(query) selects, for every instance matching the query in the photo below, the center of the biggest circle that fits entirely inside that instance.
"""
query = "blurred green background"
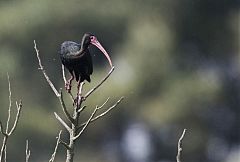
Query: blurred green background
(177, 64)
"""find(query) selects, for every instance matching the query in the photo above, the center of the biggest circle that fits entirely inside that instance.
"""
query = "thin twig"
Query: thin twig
(81, 109)
(3, 152)
(99, 84)
(1, 130)
(62, 122)
(104, 113)
(63, 74)
(19, 108)
(87, 123)
(178, 157)
(64, 144)
(104, 103)
(10, 103)
(68, 116)
(44, 72)
(28, 152)
(56, 147)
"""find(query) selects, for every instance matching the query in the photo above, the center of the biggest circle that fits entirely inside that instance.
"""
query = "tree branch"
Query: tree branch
(81, 109)
(56, 147)
(99, 84)
(3, 148)
(1, 130)
(104, 113)
(64, 144)
(68, 116)
(10, 103)
(6, 134)
(87, 123)
(178, 157)
(63, 74)
(44, 72)
(62, 122)
(104, 103)
(19, 108)
(28, 152)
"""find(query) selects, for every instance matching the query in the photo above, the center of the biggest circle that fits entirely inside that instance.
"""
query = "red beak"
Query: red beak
(95, 42)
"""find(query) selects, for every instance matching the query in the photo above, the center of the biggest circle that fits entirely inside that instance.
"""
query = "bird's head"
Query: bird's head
(88, 39)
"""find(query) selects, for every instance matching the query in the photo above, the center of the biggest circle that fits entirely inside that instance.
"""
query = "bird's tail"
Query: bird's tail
(85, 77)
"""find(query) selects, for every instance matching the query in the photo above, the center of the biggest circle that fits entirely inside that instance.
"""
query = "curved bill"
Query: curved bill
(95, 42)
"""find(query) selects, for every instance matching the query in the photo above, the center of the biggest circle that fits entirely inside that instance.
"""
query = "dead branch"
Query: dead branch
(178, 157)
(63, 74)
(28, 152)
(10, 102)
(62, 122)
(56, 147)
(82, 108)
(99, 84)
(64, 144)
(6, 133)
(104, 113)
(44, 72)
(19, 108)
(1, 129)
(70, 119)
(87, 123)
(104, 103)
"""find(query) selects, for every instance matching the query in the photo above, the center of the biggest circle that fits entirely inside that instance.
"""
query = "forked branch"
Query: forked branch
(87, 123)
(99, 84)
(6, 133)
(104, 113)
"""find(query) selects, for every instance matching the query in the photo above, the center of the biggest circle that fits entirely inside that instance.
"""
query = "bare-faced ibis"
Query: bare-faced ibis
(77, 59)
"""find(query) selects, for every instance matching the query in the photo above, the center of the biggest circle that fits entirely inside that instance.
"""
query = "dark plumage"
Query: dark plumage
(81, 67)
(77, 59)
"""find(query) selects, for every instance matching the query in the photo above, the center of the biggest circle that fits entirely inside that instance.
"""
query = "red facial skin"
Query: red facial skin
(95, 42)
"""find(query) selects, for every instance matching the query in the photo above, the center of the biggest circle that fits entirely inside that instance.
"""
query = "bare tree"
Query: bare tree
(7, 132)
(73, 126)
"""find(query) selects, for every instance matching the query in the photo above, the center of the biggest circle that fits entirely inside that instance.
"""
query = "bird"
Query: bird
(77, 59)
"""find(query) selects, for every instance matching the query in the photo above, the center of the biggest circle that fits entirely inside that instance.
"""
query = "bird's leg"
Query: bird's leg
(79, 92)
(68, 84)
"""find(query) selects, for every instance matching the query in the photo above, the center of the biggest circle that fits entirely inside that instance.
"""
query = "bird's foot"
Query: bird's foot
(78, 100)
(68, 87)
